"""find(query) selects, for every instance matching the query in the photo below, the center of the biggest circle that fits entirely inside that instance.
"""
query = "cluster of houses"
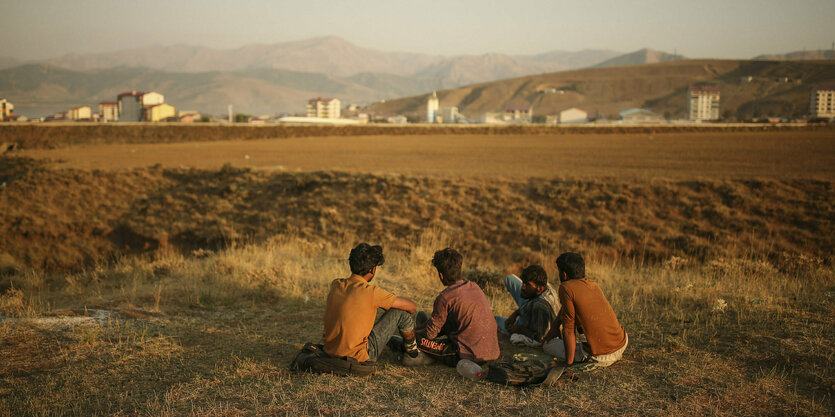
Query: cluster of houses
(133, 106)
(702, 105)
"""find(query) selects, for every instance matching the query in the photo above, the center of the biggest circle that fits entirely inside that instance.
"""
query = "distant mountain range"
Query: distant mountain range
(40, 89)
(329, 55)
(262, 78)
(275, 78)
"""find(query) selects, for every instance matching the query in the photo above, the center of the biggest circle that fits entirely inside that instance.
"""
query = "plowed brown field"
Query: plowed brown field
(780, 154)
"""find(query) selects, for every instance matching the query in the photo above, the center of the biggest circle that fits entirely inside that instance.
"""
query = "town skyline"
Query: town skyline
(39, 29)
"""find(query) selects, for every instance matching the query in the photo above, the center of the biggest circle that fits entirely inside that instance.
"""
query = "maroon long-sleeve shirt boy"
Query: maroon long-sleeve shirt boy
(462, 312)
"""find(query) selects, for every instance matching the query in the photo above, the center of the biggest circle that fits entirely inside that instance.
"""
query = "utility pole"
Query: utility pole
(230, 114)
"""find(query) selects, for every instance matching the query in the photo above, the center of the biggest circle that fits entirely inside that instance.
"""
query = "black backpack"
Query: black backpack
(524, 373)
(312, 358)
(441, 348)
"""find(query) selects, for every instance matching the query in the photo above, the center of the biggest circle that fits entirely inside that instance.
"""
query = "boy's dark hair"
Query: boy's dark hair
(572, 264)
(364, 257)
(448, 262)
(535, 274)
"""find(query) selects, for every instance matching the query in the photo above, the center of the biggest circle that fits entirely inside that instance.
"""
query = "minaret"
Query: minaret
(432, 109)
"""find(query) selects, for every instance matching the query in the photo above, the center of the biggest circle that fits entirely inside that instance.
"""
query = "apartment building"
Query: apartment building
(518, 114)
(6, 109)
(109, 111)
(132, 104)
(822, 102)
(80, 113)
(325, 108)
(159, 112)
(703, 103)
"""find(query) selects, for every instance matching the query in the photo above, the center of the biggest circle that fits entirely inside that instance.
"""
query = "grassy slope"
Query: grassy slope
(58, 219)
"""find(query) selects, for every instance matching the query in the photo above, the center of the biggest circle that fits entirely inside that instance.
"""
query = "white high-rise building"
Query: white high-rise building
(6, 109)
(703, 102)
(432, 108)
(325, 108)
(822, 103)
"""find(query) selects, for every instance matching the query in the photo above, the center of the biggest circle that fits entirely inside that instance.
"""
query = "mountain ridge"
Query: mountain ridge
(333, 56)
(799, 55)
(639, 57)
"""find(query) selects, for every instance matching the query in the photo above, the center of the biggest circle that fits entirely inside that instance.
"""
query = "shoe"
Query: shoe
(553, 376)
(395, 344)
(421, 359)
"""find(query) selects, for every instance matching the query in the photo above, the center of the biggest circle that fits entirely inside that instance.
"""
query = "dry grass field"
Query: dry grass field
(181, 278)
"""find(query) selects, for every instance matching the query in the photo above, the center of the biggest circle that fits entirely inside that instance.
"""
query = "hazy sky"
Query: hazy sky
(697, 29)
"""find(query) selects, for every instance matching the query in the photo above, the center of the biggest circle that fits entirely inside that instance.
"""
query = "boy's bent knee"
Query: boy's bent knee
(405, 321)
(510, 280)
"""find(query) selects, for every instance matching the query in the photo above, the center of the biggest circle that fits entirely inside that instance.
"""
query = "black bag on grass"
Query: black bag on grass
(440, 348)
(312, 358)
(522, 373)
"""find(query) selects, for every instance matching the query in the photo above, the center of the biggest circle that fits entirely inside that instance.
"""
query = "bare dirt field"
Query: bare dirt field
(784, 154)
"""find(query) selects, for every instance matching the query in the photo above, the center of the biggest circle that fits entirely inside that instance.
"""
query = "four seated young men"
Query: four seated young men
(361, 318)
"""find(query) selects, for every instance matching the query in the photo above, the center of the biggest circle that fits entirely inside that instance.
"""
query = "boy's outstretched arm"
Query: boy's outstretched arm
(404, 304)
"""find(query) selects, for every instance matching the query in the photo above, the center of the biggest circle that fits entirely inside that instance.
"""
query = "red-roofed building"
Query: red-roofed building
(327, 108)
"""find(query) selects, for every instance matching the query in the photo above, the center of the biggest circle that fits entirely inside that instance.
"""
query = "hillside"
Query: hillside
(660, 87)
(573, 60)
(819, 54)
(59, 219)
(39, 90)
(8, 62)
(643, 56)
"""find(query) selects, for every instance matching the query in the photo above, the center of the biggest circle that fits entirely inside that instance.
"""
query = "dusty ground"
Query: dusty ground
(785, 154)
